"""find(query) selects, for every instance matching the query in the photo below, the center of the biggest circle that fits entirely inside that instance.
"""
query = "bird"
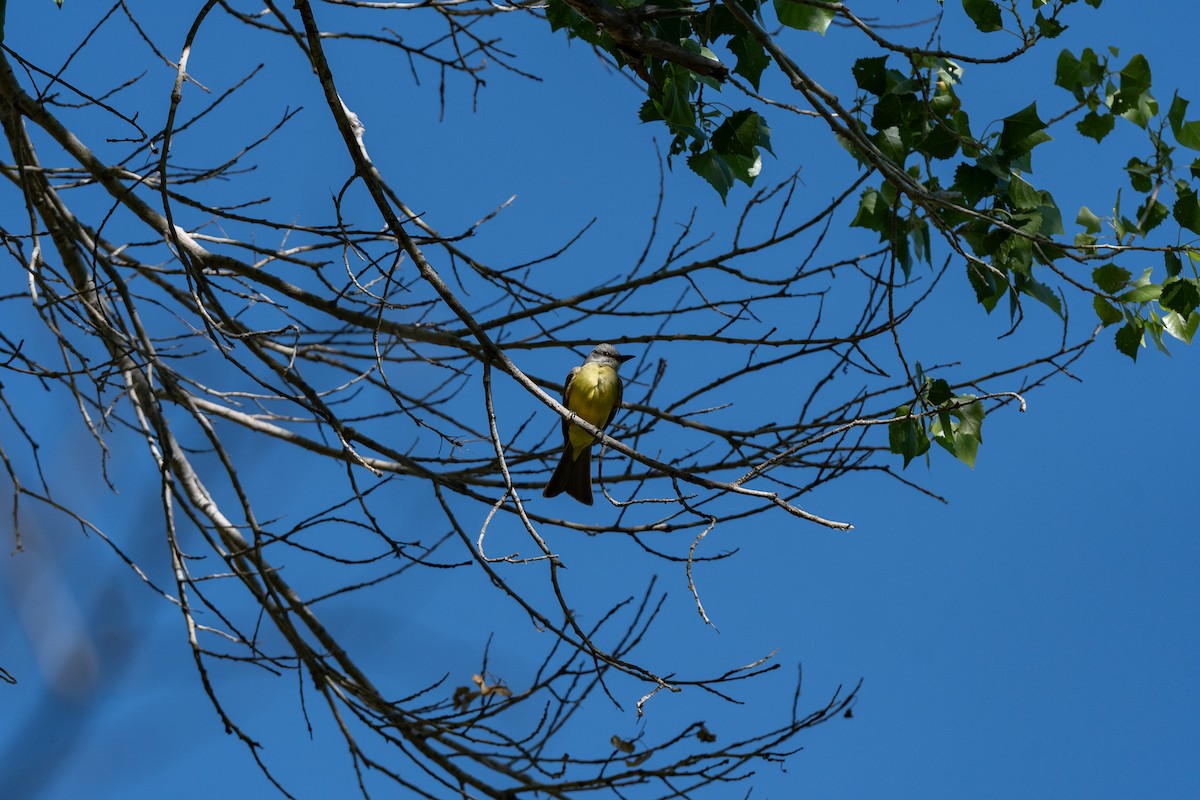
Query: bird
(593, 391)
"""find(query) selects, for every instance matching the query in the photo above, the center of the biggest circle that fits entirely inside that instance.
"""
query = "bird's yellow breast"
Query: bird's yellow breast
(592, 393)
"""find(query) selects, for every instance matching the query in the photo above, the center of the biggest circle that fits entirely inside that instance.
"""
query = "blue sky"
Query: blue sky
(1034, 637)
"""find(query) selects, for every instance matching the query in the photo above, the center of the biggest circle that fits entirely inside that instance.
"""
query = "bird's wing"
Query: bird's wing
(616, 404)
(566, 400)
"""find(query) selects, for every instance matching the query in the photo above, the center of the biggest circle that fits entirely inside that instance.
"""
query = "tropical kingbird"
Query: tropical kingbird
(593, 391)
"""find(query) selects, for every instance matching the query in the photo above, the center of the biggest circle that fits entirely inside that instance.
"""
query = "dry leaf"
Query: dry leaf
(621, 744)
(463, 696)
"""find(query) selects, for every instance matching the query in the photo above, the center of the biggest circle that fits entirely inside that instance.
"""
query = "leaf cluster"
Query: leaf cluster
(720, 144)
(937, 175)
(937, 415)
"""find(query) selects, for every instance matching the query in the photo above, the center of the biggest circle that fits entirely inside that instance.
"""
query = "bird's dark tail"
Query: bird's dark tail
(573, 476)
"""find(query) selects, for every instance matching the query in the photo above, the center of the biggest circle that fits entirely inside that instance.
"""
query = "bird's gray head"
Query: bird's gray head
(607, 354)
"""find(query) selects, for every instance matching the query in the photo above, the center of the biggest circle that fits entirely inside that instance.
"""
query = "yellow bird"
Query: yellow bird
(593, 391)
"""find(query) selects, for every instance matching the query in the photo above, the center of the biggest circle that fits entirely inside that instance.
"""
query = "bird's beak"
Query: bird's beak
(623, 359)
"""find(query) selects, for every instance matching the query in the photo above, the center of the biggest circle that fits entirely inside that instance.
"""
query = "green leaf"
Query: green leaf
(1096, 126)
(870, 74)
(1177, 110)
(1069, 74)
(1186, 133)
(742, 134)
(1022, 132)
(1118, 221)
(852, 147)
(1040, 292)
(1052, 224)
(1182, 329)
(712, 168)
(1140, 174)
(649, 112)
(942, 430)
(1077, 75)
(751, 58)
(890, 142)
(1135, 82)
(1173, 263)
(874, 213)
(984, 13)
(1129, 339)
(970, 411)
(940, 142)
(1106, 312)
(1015, 253)
(900, 84)
(892, 110)
(719, 21)
(974, 182)
(1180, 296)
(961, 123)
(802, 17)
(1110, 278)
(1187, 210)
(560, 15)
(1133, 100)
(1151, 215)
(907, 437)
(1022, 195)
(918, 234)
(957, 429)
(1144, 111)
(1089, 221)
(1048, 27)
(1154, 328)
(676, 103)
(902, 254)
(1142, 292)
(744, 168)
(989, 287)
(939, 392)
